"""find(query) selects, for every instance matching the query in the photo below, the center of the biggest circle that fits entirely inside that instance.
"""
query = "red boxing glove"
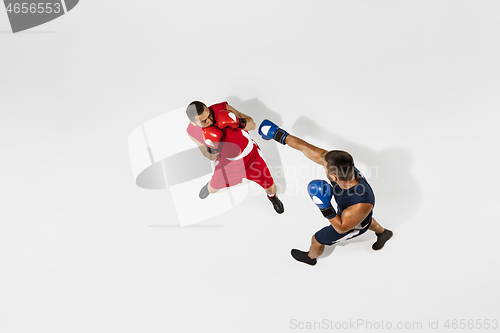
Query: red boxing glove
(212, 137)
(229, 119)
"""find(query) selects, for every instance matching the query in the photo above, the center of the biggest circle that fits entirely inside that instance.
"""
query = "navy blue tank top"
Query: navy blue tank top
(359, 193)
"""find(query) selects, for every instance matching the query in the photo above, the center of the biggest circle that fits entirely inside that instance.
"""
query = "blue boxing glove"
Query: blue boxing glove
(269, 130)
(321, 193)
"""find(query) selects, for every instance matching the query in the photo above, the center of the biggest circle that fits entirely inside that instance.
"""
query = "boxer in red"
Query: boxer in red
(221, 133)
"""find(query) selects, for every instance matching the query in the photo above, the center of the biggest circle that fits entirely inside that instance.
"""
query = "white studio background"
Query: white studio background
(409, 87)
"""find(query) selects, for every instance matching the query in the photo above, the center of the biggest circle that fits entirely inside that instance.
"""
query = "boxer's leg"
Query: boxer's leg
(383, 235)
(258, 172)
(326, 236)
(316, 249)
(211, 189)
(273, 197)
(375, 227)
(271, 190)
(207, 189)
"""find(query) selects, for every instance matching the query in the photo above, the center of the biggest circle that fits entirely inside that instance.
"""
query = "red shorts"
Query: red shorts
(252, 167)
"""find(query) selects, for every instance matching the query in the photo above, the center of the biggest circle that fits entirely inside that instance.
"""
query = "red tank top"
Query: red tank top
(234, 140)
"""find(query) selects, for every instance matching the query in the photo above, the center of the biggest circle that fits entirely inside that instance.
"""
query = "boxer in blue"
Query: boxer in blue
(354, 196)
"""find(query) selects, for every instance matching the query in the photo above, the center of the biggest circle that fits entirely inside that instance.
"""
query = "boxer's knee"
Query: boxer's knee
(315, 242)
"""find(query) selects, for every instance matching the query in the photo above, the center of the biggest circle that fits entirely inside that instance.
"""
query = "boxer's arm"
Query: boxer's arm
(313, 153)
(203, 149)
(250, 123)
(351, 217)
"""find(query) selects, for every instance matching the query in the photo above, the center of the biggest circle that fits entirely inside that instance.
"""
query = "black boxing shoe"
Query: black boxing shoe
(303, 257)
(381, 239)
(277, 204)
(204, 192)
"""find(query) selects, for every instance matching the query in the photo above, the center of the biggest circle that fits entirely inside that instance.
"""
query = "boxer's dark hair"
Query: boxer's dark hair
(195, 109)
(340, 163)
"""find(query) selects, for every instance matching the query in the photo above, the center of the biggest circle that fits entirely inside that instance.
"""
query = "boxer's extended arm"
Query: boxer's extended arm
(250, 123)
(314, 153)
(351, 217)
(203, 149)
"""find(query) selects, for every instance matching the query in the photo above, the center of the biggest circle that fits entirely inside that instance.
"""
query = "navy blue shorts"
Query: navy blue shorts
(329, 236)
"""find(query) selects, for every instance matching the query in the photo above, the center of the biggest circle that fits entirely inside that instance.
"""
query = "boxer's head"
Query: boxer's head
(199, 114)
(339, 165)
